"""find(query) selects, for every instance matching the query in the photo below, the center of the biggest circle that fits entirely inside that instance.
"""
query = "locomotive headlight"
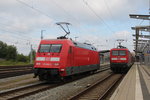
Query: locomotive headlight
(54, 59)
(113, 58)
(40, 59)
(38, 63)
(123, 59)
(56, 64)
(62, 69)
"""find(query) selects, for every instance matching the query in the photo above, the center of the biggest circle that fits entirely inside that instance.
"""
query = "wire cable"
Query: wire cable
(39, 11)
(108, 8)
(86, 3)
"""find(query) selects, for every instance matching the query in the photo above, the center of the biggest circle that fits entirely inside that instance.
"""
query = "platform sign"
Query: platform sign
(148, 52)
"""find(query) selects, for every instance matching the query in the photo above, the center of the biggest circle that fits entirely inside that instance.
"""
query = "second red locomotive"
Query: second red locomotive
(60, 58)
(120, 59)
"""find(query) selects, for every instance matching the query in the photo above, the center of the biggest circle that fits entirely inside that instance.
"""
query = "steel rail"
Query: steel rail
(95, 97)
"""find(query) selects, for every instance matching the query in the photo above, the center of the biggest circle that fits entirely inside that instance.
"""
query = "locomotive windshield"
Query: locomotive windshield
(44, 48)
(119, 53)
(55, 48)
(122, 52)
(115, 53)
(50, 48)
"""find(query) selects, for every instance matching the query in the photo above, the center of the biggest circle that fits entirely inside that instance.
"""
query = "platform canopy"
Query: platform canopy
(142, 36)
(142, 40)
(142, 28)
(104, 51)
(137, 16)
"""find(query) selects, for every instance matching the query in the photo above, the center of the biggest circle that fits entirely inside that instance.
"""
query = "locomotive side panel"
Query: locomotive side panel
(57, 59)
(84, 60)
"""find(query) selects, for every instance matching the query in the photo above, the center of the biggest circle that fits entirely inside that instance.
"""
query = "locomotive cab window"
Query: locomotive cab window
(44, 48)
(115, 53)
(122, 53)
(56, 48)
(119, 53)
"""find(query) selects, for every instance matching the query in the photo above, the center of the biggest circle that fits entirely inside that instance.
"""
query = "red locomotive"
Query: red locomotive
(60, 58)
(120, 59)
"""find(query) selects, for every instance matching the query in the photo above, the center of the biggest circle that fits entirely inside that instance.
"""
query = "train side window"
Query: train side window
(56, 48)
(115, 53)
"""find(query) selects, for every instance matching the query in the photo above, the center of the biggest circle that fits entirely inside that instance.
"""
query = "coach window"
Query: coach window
(56, 48)
(115, 53)
(122, 53)
(44, 48)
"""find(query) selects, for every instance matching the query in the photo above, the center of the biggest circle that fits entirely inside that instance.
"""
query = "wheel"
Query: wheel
(41, 77)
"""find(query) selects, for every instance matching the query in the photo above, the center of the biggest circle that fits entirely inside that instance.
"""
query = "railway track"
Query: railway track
(10, 71)
(13, 94)
(18, 66)
(98, 90)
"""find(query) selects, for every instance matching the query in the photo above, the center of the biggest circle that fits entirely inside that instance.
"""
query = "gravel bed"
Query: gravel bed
(13, 82)
(14, 78)
(65, 91)
(105, 64)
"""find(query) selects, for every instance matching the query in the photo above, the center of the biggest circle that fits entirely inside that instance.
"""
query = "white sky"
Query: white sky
(100, 22)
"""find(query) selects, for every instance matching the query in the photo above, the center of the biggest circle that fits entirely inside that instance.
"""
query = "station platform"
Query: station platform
(135, 85)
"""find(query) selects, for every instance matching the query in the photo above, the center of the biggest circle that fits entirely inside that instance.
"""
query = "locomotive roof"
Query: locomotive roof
(119, 49)
(84, 45)
(81, 45)
(54, 39)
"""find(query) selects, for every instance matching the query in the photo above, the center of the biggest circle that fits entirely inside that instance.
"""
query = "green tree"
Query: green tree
(22, 58)
(3, 49)
(11, 52)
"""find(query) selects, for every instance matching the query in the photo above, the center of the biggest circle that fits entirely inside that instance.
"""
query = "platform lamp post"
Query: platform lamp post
(31, 55)
(42, 34)
(31, 52)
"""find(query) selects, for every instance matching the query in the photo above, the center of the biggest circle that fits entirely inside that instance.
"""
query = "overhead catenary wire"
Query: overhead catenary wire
(31, 6)
(100, 19)
(108, 8)
(45, 14)
(4, 28)
(15, 36)
(66, 12)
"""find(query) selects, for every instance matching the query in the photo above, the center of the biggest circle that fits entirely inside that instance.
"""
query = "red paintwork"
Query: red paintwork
(128, 56)
(70, 55)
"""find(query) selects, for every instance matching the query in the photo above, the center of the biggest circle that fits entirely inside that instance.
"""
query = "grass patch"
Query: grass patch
(12, 63)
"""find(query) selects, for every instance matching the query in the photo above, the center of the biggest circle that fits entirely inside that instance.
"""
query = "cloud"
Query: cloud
(26, 23)
(124, 35)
